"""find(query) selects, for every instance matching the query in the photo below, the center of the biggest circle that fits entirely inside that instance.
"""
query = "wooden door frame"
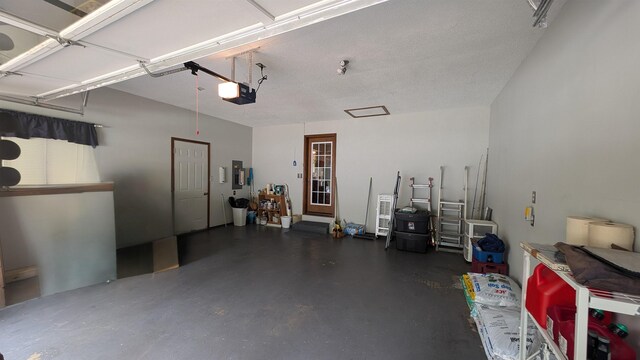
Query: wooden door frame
(173, 175)
(305, 186)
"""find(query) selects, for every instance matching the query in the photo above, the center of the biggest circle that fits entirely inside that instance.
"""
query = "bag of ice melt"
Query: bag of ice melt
(501, 327)
(495, 290)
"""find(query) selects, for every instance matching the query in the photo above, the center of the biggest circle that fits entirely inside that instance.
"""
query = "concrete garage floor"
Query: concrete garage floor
(259, 293)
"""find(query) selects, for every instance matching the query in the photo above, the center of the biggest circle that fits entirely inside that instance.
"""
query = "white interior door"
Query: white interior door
(190, 186)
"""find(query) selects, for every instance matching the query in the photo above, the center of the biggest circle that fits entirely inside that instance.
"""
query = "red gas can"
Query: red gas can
(557, 314)
(544, 289)
(618, 349)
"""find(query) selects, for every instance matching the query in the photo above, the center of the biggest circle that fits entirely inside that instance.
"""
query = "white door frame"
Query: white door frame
(173, 140)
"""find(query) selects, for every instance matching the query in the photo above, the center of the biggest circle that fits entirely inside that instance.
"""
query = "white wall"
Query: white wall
(567, 126)
(414, 144)
(135, 153)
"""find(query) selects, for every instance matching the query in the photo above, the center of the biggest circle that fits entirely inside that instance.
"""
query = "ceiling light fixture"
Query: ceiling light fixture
(342, 69)
(379, 110)
(229, 90)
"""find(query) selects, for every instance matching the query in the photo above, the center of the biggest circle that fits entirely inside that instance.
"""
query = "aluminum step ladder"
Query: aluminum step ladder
(418, 200)
(451, 218)
(425, 201)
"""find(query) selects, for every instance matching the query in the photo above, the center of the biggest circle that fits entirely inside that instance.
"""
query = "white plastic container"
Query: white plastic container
(239, 216)
(286, 221)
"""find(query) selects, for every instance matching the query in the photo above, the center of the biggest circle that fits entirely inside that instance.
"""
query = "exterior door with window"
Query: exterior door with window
(190, 185)
(320, 165)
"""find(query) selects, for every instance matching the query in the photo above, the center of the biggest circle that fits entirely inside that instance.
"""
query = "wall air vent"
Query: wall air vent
(370, 111)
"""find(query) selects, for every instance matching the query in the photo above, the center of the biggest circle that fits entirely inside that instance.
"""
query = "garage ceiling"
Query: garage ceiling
(409, 55)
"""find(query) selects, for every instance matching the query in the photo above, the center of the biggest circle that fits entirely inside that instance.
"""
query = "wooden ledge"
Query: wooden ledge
(56, 189)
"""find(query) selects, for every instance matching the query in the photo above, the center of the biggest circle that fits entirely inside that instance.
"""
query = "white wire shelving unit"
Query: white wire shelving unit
(585, 299)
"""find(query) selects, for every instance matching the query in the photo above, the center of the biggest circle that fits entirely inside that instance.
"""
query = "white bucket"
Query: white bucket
(286, 221)
(239, 216)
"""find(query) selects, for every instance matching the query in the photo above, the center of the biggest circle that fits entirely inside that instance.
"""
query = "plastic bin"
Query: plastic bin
(544, 289)
(488, 267)
(286, 222)
(487, 256)
(417, 223)
(412, 242)
(239, 216)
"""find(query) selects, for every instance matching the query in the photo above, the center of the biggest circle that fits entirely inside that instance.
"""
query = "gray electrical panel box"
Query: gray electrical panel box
(237, 174)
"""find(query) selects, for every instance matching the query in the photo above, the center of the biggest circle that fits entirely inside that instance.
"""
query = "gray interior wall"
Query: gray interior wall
(135, 153)
(567, 126)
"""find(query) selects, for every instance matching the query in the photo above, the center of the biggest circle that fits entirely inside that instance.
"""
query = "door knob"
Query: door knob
(206, 193)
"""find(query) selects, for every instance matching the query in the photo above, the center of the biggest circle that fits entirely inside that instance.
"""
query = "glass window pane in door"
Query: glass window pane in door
(321, 173)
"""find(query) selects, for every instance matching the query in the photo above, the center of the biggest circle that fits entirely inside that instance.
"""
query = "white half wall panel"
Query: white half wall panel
(69, 237)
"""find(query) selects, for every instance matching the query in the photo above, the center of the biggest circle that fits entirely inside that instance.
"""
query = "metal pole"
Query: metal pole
(366, 214)
(483, 195)
(524, 314)
(224, 213)
(475, 192)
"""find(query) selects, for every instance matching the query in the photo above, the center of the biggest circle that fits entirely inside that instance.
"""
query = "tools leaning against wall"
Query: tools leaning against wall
(394, 202)
(365, 235)
(483, 213)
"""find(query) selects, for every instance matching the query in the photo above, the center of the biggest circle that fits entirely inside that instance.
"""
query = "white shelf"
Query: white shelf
(585, 298)
(606, 300)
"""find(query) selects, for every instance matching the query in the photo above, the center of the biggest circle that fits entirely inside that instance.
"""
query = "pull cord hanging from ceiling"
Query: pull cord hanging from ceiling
(197, 107)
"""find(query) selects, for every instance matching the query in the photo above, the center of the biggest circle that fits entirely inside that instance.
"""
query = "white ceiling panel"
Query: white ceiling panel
(281, 7)
(77, 64)
(28, 85)
(165, 26)
(55, 15)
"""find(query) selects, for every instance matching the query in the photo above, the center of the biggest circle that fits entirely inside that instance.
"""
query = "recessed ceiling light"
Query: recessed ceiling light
(379, 110)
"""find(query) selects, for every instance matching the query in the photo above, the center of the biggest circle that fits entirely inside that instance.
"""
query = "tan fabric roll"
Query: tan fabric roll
(603, 234)
(578, 229)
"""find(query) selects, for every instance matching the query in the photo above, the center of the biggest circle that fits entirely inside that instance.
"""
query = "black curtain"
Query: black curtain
(26, 126)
